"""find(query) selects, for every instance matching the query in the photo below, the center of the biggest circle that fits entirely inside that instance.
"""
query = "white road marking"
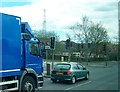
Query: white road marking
(78, 85)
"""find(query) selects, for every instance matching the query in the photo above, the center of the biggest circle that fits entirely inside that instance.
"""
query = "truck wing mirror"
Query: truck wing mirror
(25, 36)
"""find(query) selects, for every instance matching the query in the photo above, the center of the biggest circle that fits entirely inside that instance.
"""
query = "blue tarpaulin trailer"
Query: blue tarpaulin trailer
(21, 65)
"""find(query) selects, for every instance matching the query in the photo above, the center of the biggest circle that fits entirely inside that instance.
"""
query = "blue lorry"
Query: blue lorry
(21, 65)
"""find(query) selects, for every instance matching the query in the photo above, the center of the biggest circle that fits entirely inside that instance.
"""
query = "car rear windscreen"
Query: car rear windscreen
(62, 67)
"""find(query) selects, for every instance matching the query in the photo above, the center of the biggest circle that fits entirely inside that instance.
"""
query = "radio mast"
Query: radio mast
(44, 22)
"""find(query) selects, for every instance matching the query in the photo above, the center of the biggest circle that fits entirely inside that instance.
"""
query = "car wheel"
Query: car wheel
(28, 84)
(73, 80)
(87, 76)
(53, 81)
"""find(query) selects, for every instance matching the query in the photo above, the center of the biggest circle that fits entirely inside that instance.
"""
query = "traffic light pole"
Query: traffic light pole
(105, 53)
(52, 59)
(52, 46)
(69, 55)
(46, 54)
(87, 53)
(69, 49)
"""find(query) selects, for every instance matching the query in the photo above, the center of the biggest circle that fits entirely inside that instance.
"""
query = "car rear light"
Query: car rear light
(69, 72)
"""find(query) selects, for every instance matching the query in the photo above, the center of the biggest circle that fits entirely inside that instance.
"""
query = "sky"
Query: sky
(60, 14)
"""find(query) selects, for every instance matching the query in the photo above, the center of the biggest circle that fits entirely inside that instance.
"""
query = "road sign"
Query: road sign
(47, 47)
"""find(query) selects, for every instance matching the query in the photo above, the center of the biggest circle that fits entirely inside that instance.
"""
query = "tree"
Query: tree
(90, 35)
(46, 37)
(98, 37)
(97, 33)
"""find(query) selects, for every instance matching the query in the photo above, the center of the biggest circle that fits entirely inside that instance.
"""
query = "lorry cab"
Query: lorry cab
(31, 50)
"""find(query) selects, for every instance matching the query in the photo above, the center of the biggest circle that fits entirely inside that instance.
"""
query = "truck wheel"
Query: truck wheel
(28, 84)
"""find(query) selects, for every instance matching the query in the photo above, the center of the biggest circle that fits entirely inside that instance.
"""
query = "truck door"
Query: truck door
(33, 59)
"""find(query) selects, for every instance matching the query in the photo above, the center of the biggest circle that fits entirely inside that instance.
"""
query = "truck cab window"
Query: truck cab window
(34, 49)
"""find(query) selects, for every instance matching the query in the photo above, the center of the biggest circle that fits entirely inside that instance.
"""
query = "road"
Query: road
(101, 78)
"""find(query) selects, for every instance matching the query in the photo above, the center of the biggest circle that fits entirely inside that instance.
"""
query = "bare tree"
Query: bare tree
(97, 33)
(89, 33)
(98, 37)
(81, 30)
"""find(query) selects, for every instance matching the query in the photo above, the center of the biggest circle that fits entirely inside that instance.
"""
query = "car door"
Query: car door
(83, 70)
(77, 71)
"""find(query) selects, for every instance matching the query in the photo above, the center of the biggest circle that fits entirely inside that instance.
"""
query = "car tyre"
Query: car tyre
(73, 80)
(54, 81)
(87, 76)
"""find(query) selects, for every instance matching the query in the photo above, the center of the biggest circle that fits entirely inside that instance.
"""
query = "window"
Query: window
(75, 67)
(34, 49)
(62, 67)
(80, 67)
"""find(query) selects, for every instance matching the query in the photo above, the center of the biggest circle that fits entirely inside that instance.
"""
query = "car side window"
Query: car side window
(75, 67)
(80, 67)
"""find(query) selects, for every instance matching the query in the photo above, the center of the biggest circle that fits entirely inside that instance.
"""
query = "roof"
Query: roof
(67, 63)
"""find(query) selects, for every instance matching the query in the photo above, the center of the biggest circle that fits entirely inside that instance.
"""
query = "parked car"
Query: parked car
(69, 71)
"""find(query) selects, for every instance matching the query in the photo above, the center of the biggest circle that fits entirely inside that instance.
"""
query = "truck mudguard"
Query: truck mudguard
(28, 72)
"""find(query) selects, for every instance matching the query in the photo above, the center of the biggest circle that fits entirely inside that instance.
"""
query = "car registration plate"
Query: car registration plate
(59, 73)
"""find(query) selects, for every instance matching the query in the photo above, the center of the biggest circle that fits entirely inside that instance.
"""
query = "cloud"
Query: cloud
(119, 10)
(11, 4)
(62, 13)
(107, 7)
(20, 1)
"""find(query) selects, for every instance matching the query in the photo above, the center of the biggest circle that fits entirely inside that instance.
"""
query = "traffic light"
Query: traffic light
(89, 45)
(79, 46)
(104, 48)
(82, 45)
(67, 43)
(52, 41)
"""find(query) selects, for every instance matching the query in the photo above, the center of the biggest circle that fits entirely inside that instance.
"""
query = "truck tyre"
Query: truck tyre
(28, 84)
